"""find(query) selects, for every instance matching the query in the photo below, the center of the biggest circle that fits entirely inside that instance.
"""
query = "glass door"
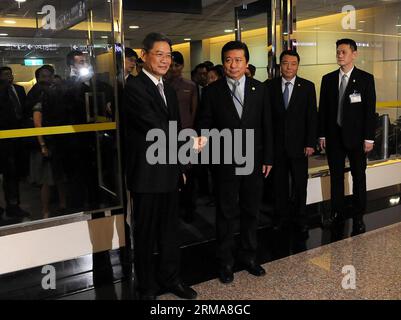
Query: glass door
(59, 105)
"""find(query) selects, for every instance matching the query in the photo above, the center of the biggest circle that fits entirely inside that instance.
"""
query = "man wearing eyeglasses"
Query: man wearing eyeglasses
(150, 104)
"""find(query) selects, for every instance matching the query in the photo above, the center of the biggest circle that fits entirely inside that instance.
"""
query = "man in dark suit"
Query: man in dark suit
(150, 104)
(294, 115)
(237, 102)
(347, 129)
(13, 115)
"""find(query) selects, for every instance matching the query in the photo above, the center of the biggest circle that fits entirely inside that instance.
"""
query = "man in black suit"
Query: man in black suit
(347, 129)
(238, 102)
(150, 104)
(294, 115)
(13, 115)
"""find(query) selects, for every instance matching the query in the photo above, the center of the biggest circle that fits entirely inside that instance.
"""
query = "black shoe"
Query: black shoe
(183, 291)
(16, 212)
(358, 227)
(255, 269)
(148, 297)
(302, 227)
(226, 274)
(332, 221)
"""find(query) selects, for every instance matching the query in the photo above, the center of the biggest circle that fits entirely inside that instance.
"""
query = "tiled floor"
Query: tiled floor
(374, 258)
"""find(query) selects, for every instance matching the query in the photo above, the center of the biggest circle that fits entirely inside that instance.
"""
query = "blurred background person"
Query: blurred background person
(215, 73)
(13, 155)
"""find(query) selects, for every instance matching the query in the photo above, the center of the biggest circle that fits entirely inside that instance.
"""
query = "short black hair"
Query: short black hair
(71, 55)
(289, 53)
(130, 53)
(2, 69)
(201, 66)
(209, 64)
(350, 42)
(45, 67)
(252, 69)
(153, 37)
(178, 58)
(219, 69)
(235, 45)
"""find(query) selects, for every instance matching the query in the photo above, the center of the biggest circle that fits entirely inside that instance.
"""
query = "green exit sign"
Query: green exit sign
(33, 62)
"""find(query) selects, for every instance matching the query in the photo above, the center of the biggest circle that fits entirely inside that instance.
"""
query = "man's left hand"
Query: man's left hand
(368, 146)
(266, 170)
(309, 151)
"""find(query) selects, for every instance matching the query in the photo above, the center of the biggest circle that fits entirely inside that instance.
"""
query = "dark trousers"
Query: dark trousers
(238, 196)
(11, 154)
(189, 192)
(290, 182)
(155, 223)
(336, 153)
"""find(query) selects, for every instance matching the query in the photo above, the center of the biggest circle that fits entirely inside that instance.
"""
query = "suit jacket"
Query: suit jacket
(358, 118)
(218, 111)
(144, 109)
(294, 128)
(8, 118)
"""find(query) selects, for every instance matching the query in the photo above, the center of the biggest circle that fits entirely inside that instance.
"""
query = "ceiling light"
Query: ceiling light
(398, 25)
(20, 0)
(228, 30)
(10, 21)
(187, 39)
(105, 37)
(362, 21)
(134, 27)
(359, 30)
(3, 34)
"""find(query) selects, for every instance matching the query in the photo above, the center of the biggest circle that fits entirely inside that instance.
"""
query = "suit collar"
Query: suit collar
(154, 92)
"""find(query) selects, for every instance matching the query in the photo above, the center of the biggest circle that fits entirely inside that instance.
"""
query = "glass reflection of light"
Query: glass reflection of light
(394, 201)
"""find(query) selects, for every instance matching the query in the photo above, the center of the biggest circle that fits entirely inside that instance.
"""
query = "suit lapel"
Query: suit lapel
(228, 100)
(152, 90)
(295, 94)
(247, 98)
(351, 84)
(279, 92)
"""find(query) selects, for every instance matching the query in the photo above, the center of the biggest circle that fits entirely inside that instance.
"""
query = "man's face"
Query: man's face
(212, 77)
(157, 60)
(7, 77)
(289, 67)
(201, 76)
(235, 63)
(176, 70)
(130, 64)
(45, 77)
(345, 55)
(80, 62)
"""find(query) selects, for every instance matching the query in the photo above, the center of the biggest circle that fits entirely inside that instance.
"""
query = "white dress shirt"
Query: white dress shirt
(156, 82)
(290, 86)
(241, 88)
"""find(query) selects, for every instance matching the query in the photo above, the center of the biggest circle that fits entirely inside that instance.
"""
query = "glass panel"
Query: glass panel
(58, 138)
(375, 26)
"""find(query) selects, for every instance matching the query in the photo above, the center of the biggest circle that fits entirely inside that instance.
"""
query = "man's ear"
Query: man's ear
(143, 55)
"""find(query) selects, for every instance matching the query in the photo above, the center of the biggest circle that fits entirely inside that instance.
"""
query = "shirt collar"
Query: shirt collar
(241, 80)
(284, 81)
(348, 73)
(152, 77)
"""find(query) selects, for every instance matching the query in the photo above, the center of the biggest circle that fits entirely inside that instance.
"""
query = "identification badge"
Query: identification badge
(355, 97)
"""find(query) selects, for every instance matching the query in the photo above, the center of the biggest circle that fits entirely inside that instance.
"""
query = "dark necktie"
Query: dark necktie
(160, 87)
(236, 98)
(341, 92)
(286, 95)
